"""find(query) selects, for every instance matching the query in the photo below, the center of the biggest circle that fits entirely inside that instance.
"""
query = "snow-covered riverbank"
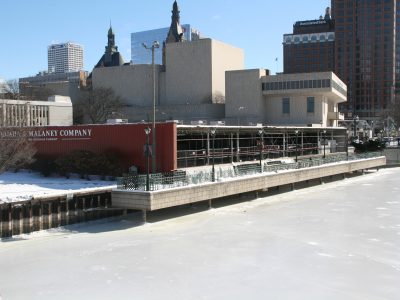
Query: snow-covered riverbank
(24, 185)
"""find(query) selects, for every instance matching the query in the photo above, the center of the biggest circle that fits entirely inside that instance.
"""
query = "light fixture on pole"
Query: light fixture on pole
(213, 154)
(147, 131)
(261, 134)
(324, 133)
(154, 46)
(296, 132)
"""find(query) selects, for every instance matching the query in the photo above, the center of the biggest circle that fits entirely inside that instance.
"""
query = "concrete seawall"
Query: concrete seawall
(154, 200)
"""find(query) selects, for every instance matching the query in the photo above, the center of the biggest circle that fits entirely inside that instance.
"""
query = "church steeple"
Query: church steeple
(111, 48)
(111, 57)
(176, 13)
(175, 33)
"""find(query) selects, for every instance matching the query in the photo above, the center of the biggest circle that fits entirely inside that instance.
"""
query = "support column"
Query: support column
(49, 215)
(144, 216)
(41, 115)
(75, 206)
(58, 201)
(284, 147)
(209, 204)
(231, 142)
(1, 221)
(34, 116)
(208, 148)
(302, 143)
(29, 217)
(10, 221)
(40, 215)
(238, 146)
(21, 219)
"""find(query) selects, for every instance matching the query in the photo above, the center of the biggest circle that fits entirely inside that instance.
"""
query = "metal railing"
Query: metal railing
(179, 178)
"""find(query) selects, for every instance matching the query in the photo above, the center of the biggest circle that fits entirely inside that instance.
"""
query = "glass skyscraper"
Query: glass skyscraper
(139, 55)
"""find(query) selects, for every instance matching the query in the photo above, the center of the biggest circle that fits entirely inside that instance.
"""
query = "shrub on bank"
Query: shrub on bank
(369, 146)
(81, 162)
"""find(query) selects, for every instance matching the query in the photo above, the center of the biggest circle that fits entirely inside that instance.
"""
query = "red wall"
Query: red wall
(127, 140)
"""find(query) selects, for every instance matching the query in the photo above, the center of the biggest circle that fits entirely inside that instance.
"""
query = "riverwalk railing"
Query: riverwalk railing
(179, 178)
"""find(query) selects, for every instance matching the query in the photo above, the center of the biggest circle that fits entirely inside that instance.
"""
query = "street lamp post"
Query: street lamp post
(154, 46)
(239, 112)
(372, 129)
(213, 154)
(147, 132)
(355, 119)
(296, 132)
(324, 133)
(261, 134)
(347, 145)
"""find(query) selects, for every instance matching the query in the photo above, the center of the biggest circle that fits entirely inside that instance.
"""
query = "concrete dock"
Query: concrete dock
(155, 200)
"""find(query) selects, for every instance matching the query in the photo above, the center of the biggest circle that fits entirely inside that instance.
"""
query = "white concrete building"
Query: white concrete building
(57, 111)
(308, 99)
(65, 57)
(190, 86)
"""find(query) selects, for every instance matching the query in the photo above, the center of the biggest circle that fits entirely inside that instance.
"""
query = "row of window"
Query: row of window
(309, 38)
(286, 105)
(298, 84)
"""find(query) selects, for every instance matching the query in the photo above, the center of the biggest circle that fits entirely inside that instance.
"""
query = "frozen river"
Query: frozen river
(335, 241)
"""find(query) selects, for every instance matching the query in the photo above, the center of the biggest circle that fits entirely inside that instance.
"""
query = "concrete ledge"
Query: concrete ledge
(148, 201)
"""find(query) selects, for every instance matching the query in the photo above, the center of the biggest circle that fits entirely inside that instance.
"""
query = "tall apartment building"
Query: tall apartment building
(65, 57)
(310, 48)
(365, 54)
(139, 55)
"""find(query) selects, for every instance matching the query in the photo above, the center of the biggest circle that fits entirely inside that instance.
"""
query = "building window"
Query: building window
(286, 106)
(310, 105)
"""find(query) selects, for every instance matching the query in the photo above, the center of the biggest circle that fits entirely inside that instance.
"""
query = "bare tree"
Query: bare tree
(97, 105)
(16, 150)
(11, 89)
(218, 97)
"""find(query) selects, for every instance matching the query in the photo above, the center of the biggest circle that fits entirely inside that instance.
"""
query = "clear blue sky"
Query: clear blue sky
(257, 26)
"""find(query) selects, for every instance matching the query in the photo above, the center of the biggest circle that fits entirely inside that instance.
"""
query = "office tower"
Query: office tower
(65, 57)
(139, 55)
(365, 55)
(310, 48)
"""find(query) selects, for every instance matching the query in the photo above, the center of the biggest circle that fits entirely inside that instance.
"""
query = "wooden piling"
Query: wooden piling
(1, 221)
(34, 215)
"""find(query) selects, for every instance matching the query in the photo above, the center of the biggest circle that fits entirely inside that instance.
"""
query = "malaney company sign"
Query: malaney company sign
(47, 134)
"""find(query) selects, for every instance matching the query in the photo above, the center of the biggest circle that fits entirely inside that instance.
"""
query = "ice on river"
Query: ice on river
(339, 240)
